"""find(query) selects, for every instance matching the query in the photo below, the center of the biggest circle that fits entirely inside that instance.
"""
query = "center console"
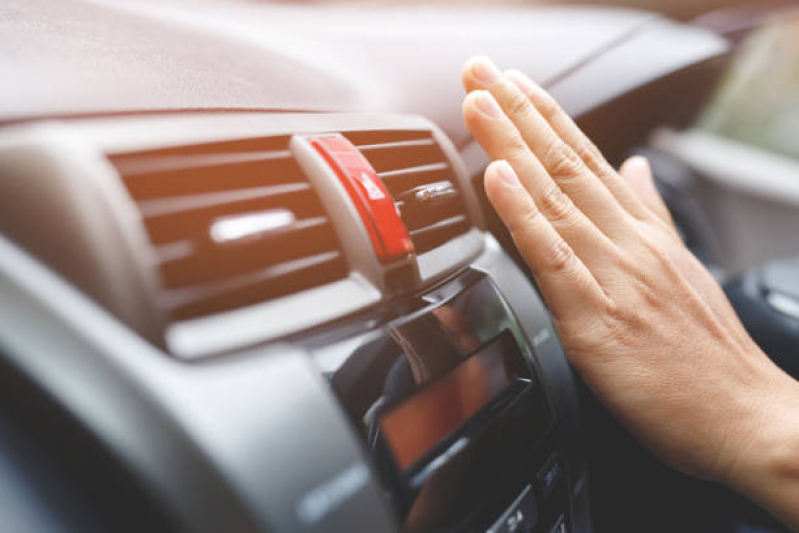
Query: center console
(449, 400)
(285, 323)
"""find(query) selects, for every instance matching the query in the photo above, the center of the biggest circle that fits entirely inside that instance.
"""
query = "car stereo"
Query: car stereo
(448, 401)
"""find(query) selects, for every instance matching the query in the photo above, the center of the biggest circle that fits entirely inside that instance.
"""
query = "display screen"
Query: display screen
(417, 425)
(446, 403)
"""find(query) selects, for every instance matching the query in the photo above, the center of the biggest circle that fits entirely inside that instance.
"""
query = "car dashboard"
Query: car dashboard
(248, 279)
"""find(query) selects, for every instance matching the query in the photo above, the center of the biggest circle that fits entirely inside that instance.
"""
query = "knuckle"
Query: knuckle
(590, 154)
(518, 105)
(556, 205)
(559, 257)
(561, 161)
(623, 322)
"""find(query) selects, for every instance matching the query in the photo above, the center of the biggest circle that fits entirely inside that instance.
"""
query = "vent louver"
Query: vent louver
(233, 224)
(421, 181)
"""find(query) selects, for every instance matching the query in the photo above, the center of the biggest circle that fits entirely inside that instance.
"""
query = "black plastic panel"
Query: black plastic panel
(455, 464)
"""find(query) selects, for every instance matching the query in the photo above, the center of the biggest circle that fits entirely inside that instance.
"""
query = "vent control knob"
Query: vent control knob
(374, 203)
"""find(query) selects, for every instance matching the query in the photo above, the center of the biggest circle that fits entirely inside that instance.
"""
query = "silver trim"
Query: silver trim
(257, 323)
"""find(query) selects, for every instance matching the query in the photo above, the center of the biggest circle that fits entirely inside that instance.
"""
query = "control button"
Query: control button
(549, 476)
(375, 206)
(560, 526)
(520, 517)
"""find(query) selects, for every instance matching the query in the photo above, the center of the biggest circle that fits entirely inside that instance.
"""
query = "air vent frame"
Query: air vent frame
(117, 266)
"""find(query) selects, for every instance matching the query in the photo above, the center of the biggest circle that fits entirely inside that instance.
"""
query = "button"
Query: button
(549, 476)
(375, 206)
(520, 517)
(560, 526)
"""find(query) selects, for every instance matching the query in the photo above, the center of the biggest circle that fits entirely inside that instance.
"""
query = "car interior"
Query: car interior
(250, 280)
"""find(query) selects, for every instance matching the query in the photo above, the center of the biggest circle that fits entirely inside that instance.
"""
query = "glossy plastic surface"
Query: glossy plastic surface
(450, 406)
(384, 225)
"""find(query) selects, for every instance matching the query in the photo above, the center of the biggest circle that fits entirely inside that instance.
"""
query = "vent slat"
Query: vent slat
(213, 262)
(196, 224)
(366, 138)
(271, 283)
(435, 167)
(435, 235)
(232, 223)
(366, 148)
(400, 181)
(168, 206)
(254, 144)
(416, 218)
(174, 251)
(386, 159)
(409, 162)
(147, 165)
(170, 181)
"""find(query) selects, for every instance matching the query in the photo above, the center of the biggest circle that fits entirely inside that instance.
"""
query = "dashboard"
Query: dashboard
(248, 279)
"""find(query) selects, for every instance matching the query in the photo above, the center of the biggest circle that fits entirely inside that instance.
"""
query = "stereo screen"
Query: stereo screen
(417, 425)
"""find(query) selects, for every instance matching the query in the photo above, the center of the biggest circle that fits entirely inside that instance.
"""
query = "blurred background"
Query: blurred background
(678, 9)
(758, 104)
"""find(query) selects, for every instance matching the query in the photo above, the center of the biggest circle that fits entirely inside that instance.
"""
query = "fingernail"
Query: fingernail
(507, 174)
(521, 81)
(485, 71)
(487, 105)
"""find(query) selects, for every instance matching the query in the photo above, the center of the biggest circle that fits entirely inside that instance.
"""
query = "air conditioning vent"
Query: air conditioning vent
(232, 223)
(421, 181)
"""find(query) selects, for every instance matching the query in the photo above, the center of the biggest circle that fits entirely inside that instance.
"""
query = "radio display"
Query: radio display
(446, 402)
(417, 425)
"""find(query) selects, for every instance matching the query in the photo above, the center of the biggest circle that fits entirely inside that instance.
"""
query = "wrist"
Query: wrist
(766, 464)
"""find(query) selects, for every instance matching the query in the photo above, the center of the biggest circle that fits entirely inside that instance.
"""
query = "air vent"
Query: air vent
(421, 181)
(232, 224)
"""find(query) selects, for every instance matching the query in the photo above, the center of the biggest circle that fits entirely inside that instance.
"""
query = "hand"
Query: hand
(643, 322)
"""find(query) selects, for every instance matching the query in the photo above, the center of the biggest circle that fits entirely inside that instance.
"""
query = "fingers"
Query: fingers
(564, 128)
(560, 159)
(638, 174)
(564, 280)
(501, 140)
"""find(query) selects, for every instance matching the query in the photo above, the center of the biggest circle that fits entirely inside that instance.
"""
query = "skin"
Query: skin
(643, 322)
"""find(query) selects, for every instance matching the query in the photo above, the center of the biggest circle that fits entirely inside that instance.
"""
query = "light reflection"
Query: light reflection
(251, 225)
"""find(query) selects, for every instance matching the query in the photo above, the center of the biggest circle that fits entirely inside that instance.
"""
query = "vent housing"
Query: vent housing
(232, 223)
(421, 181)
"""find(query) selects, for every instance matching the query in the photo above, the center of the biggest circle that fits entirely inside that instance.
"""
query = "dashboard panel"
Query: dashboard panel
(187, 279)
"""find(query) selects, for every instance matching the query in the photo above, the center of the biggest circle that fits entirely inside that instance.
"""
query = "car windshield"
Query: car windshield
(758, 104)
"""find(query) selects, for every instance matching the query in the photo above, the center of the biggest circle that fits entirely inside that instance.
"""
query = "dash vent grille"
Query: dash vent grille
(421, 181)
(233, 224)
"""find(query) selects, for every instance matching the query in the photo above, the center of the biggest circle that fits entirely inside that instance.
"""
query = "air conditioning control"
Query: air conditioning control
(375, 206)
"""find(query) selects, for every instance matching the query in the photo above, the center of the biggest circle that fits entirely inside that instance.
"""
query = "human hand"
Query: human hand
(643, 322)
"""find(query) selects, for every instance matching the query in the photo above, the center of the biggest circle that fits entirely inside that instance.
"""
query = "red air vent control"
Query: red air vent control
(378, 213)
